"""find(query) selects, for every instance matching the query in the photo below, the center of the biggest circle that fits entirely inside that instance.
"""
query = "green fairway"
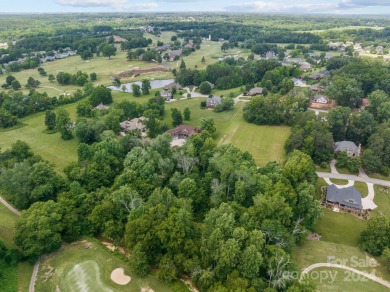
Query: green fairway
(85, 275)
(382, 200)
(50, 146)
(332, 279)
(341, 228)
(265, 143)
(86, 266)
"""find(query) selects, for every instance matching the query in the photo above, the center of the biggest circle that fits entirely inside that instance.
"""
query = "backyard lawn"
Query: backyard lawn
(339, 228)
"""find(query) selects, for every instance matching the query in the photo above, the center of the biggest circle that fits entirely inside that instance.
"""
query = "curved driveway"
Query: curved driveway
(355, 178)
(327, 265)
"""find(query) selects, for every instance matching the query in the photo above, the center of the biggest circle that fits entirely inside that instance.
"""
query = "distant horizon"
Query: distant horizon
(300, 7)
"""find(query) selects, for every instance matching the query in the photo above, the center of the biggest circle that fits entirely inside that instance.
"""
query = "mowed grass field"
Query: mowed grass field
(338, 280)
(265, 143)
(17, 278)
(50, 146)
(86, 266)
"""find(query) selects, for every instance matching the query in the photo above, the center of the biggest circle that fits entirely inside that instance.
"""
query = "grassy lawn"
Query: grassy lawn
(312, 252)
(17, 278)
(337, 181)
(332, 279)
(339, 228)
(265, 143)
(50, 146)
(7, 226)
(74, 265)
(382, 200)
(362, 188)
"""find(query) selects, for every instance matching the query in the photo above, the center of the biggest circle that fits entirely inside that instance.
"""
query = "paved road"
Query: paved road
(12, 209)
(327, 265)
(355, 178)
(36, 266)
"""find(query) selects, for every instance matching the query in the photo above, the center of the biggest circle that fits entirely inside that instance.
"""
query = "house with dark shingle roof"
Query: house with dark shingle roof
(183, 132)
(346, 197)
(347, 146)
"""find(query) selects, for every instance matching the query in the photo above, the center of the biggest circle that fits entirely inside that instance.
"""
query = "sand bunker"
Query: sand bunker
(147, 289)
(118, 276)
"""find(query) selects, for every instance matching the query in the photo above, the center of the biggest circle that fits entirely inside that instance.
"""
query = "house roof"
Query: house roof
(183, 129)
(214, 100)
(164, 93)
(256, 90)
(345, 146)
(349, 196)
(173, 85)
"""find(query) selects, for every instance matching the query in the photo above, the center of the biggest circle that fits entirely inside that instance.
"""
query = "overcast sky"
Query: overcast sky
(266, 6)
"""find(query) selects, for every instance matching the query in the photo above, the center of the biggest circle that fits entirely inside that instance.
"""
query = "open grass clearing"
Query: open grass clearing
(86, 266)
(265, 143)
(7, 226)
(333, 279)
(312, 252)
(17, 277)
(50, 146)
(341, 228)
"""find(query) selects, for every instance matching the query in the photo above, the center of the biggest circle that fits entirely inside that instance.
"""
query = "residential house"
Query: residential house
(163, 48)
(173, 85)
(357, 47)
(166, 94)
(286, 63)
(320, 99)
(344, 197)
(270, 55)
(317, 88)
(183, 132)
(319, 75)
(305, 66)
(256, 91)
(211, 102)
(299, 82)
(379, 49)
(348, 146)
(174, 55)
(134, 124)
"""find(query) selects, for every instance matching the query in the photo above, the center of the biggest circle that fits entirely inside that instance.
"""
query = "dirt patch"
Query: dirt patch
(147, 289)
(119, 39)
(109, 245)
(189, 284)
(136, 71)
(49, 272)
(118, 276)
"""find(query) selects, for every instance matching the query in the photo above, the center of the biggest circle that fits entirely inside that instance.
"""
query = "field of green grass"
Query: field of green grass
(265, 143)
(338, 280)
(50, 146)
(382, 200)
(17, 278)
(86, 266)
(341, 228)
(338, 181)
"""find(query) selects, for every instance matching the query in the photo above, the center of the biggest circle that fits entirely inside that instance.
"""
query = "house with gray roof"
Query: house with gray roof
(256, 91)
(347, 146)
(211, 102)
(346, 197)
(166, 94)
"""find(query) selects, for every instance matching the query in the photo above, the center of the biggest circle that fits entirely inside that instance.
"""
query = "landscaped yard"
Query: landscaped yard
(87, 265)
